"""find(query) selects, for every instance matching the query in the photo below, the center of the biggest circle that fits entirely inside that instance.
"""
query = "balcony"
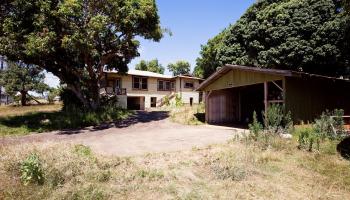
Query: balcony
(113, 91)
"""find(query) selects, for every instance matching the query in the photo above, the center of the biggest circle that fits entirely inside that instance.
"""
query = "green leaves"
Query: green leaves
(181, 67)
(151, 66)
(308, 35)
(31, 170)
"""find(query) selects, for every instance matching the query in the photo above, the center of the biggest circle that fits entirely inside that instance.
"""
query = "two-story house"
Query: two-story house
(139, 90)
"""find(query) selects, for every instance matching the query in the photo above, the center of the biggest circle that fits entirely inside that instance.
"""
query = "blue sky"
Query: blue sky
(192, 23)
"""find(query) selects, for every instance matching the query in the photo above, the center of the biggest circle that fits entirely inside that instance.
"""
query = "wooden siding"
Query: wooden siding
(222, 106)
(236, 78)
(308, 97)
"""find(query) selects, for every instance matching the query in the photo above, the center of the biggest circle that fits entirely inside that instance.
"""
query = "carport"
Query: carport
(234, 92)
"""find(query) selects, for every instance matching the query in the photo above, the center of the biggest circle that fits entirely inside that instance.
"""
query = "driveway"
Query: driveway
(145, 132)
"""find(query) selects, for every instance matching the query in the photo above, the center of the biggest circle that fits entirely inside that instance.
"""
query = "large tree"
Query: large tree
(151, 66)
(77, 39)
(207, 63)
(22, 78)
(180, 67)
(304, 35)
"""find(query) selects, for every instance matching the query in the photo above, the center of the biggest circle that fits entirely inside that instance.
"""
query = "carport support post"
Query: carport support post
(266, 95)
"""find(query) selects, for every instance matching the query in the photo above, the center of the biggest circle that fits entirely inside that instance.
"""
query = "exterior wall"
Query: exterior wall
(152, 91)
(307, 98)
(222, 106)
(187, 93)
(236, 78)
(123, 101)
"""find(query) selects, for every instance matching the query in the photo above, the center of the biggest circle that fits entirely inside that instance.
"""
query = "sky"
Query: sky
(192, 23)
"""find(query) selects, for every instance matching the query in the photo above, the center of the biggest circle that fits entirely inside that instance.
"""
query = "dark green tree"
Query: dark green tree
(22, 78)
(305, 35)
(151, 66)
(207, 63)
(179, 68)
(77, 39)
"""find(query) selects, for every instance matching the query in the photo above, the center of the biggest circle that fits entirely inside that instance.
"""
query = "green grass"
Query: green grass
(42, 119)
(237, 169)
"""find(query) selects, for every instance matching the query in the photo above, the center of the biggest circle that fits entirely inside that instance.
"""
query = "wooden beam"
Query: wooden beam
(266, 95)
(279, 87)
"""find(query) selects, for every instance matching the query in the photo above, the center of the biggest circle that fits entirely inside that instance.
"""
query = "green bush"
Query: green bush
(82, 150)
(276, 120)
(178, 101)
(166, 101)
(31, 170)
(330, 125)
(255, 128)
(309, 139)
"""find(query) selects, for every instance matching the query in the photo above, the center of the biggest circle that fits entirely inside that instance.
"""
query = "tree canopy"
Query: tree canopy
(22, 78)
(180, 67)
(77, 39)
(304, 35)
(151, 66)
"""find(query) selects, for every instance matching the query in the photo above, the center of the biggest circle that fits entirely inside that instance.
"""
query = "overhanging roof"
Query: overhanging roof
(279, 72)
(153, 74)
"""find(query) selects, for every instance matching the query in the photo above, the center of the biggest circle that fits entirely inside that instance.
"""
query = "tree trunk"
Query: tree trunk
(23, 98)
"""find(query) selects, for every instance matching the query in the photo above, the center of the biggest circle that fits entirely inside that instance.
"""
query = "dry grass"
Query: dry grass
(188, 115)
(6, 111)
(236, 170)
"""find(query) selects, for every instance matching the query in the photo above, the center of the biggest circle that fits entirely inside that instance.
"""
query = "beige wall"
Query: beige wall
(126, 82)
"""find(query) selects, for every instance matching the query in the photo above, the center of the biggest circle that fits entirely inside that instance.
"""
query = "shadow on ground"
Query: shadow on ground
(344, 148)
(72, 123)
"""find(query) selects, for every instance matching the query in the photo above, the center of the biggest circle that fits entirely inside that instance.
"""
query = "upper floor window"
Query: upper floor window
(139, 83)
(164, 85)
(189, 85)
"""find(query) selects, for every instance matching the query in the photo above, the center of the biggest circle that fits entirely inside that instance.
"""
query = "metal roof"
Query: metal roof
(285, 73)
(135, 72)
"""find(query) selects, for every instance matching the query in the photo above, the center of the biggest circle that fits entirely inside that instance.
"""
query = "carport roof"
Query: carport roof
(285, 73)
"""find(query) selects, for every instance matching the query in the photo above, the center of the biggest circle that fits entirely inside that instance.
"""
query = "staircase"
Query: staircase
(161, 102)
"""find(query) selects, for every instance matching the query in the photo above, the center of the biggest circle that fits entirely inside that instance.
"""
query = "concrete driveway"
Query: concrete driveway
(145, 132)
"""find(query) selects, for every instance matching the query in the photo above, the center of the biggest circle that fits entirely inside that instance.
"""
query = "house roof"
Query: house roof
(285, 73)
(135, 72)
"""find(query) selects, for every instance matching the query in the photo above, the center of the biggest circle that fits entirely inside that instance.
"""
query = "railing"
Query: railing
(113, 91)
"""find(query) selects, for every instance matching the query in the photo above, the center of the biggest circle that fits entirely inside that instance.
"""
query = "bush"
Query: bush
(31, 170)
(276, 120)
(178, 101)
(166, 101)
(309, 139)
(255, 127)
(330, 125)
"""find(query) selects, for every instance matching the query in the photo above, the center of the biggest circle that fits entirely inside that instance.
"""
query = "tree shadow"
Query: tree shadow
(343, 148)
(200, 117)
(142, 117)
(70, 123)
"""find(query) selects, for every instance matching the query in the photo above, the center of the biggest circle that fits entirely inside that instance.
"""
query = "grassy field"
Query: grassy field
(236, 170)
(17, 120)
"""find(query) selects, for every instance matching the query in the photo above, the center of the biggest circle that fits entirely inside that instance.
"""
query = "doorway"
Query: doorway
(153, 102)
(191, 101)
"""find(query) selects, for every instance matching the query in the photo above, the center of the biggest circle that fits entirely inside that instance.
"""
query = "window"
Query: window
(189, 85)
(165, 85)
(139, 83)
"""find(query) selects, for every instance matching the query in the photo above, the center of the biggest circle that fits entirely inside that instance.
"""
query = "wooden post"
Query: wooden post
(266, 95)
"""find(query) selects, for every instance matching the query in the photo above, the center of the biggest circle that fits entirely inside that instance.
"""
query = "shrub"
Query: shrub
(178, 101)
(31, 170)
(166, 101)
(309, 139)
(276, 120)
(330, 125)
(255, 127)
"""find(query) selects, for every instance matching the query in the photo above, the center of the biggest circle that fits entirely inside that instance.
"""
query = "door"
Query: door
(153, 102)
(191, 101)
